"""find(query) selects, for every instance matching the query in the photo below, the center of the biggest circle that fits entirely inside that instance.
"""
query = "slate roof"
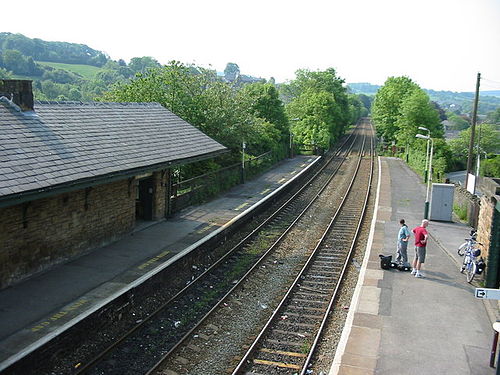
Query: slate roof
(68, 142)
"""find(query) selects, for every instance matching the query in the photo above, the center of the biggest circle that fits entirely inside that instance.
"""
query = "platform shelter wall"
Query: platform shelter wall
(38, 234)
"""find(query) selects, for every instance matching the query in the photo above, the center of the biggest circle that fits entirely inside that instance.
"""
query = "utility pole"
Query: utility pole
(472, 131)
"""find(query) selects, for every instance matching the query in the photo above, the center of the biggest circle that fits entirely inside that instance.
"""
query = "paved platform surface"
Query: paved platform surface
(398, 324)
(41, 307)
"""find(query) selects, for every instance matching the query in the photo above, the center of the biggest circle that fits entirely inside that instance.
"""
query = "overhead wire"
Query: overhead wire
(490, 84)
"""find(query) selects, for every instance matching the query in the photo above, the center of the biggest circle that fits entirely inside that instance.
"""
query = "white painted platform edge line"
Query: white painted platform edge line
(337, 360)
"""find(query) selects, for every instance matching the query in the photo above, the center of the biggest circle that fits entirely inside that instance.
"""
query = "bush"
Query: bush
(460, 211)
(491, 167)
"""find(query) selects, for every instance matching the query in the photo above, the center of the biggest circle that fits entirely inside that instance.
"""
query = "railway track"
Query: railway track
(140, 347)
(190, 351)
(288, 340)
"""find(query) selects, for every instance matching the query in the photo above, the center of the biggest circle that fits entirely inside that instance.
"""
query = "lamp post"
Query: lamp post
(243, 147)
(429, 180)
(291, 137)
(426, 174)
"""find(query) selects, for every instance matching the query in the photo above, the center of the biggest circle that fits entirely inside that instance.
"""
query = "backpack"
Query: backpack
(385, 261)
(480, 266)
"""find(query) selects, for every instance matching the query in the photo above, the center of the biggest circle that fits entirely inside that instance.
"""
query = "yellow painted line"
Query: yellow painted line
(241, 206)
(279, 364)
(293, 172)
(205, 229)
(59, 315)
(303, 165)
(282, 180)
(153, 260)
(291, 354)
(265, 191)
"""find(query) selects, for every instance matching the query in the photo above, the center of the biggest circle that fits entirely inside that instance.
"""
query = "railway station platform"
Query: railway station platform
(34, 311)
(398, 324)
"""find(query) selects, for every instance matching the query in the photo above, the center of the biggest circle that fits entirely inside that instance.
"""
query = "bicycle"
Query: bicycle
(468, 244)
(470, 264)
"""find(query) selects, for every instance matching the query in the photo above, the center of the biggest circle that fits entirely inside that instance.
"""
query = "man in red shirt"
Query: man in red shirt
(421, 236)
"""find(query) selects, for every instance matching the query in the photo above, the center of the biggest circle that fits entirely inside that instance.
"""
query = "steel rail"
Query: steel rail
(334, 296)
(291, 290)
(249, 272)
(91, 364)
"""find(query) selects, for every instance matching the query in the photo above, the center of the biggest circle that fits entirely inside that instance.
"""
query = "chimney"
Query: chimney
(19, 91)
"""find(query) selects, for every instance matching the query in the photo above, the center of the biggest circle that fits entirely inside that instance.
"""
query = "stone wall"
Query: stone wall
(44, 232)
(465, 200)
(489, 230)
(485, 224)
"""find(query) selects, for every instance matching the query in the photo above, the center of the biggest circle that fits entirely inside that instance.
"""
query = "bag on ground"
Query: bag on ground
(385, 261)
(481, 265)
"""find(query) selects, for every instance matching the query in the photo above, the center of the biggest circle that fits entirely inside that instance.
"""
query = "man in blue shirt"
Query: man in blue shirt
(402, 244)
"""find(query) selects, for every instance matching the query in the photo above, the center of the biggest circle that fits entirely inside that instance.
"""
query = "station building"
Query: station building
(76, 176)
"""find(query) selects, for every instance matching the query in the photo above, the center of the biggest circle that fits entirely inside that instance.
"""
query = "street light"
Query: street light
(429, 180)
(291, 137)
(426, 175)
(243, 147)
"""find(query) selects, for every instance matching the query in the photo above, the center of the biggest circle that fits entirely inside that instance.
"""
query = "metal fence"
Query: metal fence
(201, 188)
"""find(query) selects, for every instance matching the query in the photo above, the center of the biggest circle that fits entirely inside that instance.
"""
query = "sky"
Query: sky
(439, 44)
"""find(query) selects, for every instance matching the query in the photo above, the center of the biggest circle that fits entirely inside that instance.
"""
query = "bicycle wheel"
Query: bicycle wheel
(471, 271)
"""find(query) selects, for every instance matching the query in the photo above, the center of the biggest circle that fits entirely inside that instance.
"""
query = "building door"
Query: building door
(144, 199)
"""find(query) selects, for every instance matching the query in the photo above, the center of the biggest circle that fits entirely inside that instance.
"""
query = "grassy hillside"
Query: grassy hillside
(86, 71)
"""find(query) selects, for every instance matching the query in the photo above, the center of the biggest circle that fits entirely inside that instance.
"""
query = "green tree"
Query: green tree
(494, 117)
(266, 104)
(491, 167)
(50, 89)
(386, 107)
(356, 108)
(320, 95)
(231, 71)
(441, 112)
(41, 50)
(458, 122)
(199, 97)
(142, 64)
(14, 61)
(489, 141)
(366, 100)
(60, 76)
(315, 114)
(416, 111)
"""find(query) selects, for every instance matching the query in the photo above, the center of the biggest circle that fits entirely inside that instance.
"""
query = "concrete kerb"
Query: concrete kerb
(102, 303)
(341, 347)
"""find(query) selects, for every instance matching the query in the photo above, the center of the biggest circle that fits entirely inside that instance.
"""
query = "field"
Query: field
(86, 71)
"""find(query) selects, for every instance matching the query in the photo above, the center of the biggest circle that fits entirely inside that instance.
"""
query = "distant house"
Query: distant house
(75, 176)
